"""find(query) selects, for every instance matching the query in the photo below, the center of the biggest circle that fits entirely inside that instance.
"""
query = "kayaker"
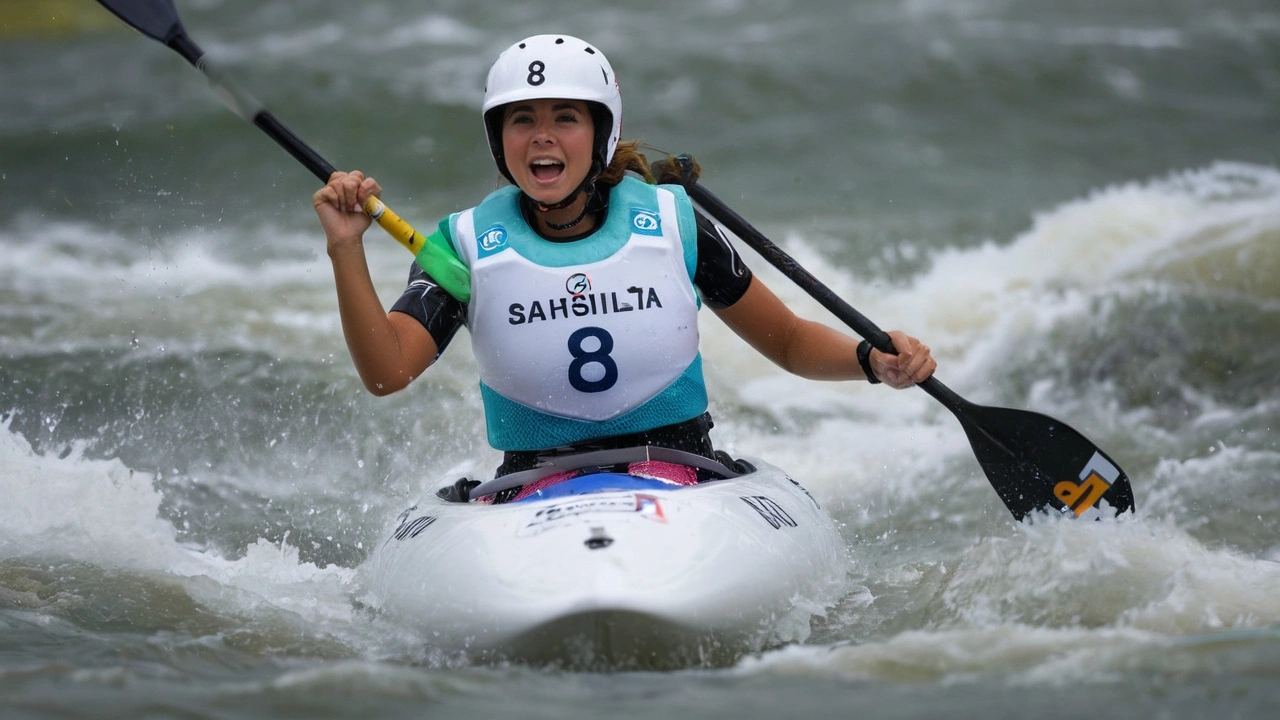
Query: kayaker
(585, 280)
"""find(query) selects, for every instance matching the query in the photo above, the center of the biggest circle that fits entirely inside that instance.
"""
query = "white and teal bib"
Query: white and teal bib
(588, 338)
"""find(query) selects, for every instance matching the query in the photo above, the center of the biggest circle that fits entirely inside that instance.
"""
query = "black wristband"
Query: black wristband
(864, 359)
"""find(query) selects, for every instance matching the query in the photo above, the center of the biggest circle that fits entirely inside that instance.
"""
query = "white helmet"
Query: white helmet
(555, 66)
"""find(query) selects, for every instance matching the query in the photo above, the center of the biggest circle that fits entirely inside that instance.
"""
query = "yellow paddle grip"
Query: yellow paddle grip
(442, 265)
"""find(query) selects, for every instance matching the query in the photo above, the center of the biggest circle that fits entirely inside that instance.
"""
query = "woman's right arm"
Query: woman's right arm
(389, 349)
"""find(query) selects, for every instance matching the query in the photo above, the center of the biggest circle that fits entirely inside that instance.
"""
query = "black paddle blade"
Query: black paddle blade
(157, 19)
(1038, 463)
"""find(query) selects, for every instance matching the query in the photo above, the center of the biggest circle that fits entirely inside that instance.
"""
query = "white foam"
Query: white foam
(97, 511)
(72, 508)
(44, 257)
(183, 296)
(1129, 573)
(1058, 601)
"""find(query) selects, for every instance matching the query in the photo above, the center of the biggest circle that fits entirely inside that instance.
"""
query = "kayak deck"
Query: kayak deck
(609, 570)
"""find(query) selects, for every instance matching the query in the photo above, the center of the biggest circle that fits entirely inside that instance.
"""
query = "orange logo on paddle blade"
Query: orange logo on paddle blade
(1095, 481)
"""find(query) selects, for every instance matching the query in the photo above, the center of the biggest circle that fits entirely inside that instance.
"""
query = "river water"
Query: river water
(1077, 205)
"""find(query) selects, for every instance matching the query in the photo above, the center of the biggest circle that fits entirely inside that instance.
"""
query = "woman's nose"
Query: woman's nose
(542, 132)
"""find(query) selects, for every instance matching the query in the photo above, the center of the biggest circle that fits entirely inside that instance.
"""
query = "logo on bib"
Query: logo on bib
(491, 241)
(645, 222)
(578, 284)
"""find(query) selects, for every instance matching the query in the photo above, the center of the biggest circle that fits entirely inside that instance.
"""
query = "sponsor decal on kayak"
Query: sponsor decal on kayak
(770, 510)
(589, 509)
(805, 491)
(407, 528)
(650, 507)
(1095, 480)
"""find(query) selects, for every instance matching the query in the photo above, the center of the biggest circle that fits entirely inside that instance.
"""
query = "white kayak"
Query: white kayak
(613, 570)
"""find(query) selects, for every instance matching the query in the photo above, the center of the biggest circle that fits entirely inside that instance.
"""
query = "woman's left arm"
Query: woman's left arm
(813, 350)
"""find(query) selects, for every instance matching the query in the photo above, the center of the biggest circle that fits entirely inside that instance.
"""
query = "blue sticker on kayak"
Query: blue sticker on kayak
(595, 483)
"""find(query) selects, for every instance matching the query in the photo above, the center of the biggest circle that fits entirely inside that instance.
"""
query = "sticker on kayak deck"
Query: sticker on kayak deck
(407, 528)
(805, 491)
(1095, 480)
(585, 509)
(770, 510)
(650, 507)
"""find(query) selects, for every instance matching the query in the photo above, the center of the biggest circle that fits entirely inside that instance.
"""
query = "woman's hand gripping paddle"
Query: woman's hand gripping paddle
(1034, 462)
(158, 20)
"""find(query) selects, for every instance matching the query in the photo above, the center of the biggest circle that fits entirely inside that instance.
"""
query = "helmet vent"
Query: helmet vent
(590, 51)
(559, 41)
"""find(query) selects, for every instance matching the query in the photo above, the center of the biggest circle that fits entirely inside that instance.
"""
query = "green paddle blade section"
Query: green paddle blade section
(437, 259)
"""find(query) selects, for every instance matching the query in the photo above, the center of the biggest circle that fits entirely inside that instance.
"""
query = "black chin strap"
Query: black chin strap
(558, 205)
(590, 191)
(587, 187)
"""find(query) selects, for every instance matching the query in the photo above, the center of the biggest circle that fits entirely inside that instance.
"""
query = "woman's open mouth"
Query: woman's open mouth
(546, 170)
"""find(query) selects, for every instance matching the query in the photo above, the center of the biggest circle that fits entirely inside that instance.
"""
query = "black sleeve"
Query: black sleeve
(721, 276)
(438, 311)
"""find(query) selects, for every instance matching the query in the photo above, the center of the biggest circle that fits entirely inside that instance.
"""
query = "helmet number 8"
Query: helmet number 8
(583, 357)
(536, 76)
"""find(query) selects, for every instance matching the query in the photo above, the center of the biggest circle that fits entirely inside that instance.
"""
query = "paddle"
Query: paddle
(1033, 461)
(158, 20)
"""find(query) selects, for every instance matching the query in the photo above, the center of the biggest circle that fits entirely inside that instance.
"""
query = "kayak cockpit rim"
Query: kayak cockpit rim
(616, 456)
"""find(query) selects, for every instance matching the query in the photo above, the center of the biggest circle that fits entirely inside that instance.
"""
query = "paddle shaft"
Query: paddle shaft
(250, 109)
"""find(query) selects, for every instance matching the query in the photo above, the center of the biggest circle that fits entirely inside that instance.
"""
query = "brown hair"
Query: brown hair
(627, 157)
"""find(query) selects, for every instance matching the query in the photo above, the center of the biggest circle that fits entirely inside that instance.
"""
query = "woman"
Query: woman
(585, 280)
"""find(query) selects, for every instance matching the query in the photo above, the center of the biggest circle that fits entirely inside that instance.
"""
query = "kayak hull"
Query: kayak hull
(652, 577)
